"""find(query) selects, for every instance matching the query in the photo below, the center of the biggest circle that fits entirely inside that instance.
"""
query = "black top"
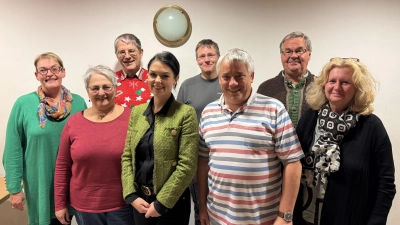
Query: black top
(144, 156)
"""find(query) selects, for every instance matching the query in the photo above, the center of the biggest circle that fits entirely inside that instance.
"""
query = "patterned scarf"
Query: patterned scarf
(52, 107)
(324, 156)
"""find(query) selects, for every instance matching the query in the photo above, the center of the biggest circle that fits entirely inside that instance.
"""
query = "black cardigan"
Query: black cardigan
(362, 191)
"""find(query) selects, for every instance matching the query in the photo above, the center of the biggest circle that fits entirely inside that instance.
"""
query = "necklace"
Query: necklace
(102, 116)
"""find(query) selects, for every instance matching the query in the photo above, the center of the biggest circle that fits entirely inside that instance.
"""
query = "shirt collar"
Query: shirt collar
(164, 110)
(139, 74)
(291, 84)
(250, 100)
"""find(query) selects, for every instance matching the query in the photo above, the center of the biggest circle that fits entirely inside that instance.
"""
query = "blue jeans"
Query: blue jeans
(195, 197)
(122, 216)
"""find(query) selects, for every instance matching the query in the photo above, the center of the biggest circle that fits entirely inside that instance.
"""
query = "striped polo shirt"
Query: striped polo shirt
(245, 150)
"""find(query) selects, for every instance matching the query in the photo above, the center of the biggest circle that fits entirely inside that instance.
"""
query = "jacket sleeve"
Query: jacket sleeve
(127, 175)
(187, 161)
(383, 159)
(13, 150)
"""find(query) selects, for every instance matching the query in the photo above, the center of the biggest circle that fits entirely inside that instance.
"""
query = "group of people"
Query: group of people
(302, 149)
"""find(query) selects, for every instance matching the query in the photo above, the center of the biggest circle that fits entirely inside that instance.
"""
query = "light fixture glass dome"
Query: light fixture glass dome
(172, 26)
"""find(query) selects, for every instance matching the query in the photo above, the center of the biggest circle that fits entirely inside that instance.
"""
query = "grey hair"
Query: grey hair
(237, 55)
(297, 34)
(100, 70)
(127, 38)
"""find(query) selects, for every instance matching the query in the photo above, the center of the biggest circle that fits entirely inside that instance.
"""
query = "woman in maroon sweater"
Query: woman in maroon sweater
(88, 168)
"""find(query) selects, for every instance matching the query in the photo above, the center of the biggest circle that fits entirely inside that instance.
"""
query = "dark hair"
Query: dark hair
(168, 59)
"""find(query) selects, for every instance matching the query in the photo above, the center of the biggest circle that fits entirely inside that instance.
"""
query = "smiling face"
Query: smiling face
(129, 56)
(161, 80)
(340, 89)
(51, 82)
(100, 98)
(206, 57)
(235, 82)
(295, 65)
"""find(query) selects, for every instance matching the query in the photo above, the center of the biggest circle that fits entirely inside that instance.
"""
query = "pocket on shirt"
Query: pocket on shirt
(259, 138)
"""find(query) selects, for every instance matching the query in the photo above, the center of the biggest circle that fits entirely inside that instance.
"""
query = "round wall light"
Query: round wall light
(172, 26)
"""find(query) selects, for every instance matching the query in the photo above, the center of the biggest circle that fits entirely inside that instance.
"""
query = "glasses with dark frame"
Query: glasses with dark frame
(54, 69)
(96, 89)
(298, 52)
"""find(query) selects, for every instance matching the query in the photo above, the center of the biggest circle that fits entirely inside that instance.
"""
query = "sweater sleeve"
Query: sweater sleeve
(383, 159)
(13, 150)
(62, 173)
(181, 94)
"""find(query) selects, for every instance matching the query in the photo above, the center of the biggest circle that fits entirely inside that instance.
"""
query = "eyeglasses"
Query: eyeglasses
(352, 59)
(131, 52)
(55, 70)
(298, 52)
(96, 89)
(203, 57)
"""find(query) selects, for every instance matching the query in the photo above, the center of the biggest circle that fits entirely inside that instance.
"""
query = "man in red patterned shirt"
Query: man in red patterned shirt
(132, 88)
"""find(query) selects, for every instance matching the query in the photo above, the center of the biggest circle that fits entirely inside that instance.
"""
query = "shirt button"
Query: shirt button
(295, 91)
(174, 163)
(294, 109)
(173, 132)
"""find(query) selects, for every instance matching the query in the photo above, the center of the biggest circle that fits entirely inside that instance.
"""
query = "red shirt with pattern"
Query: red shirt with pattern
(132, 91)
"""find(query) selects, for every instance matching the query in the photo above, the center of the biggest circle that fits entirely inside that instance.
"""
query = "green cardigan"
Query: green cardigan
(175, 151)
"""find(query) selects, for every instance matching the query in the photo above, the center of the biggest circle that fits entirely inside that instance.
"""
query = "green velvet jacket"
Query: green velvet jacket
(175, 151)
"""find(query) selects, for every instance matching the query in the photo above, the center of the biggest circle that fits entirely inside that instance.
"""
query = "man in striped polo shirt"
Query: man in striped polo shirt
(244, 138)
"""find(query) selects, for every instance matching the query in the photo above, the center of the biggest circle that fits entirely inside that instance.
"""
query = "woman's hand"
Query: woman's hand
(18, 201)
(63, 216)
(140, 205)
(152, 212)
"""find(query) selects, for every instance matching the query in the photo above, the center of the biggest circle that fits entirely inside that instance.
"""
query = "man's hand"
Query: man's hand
(204, 219)
(140, 205)
(152, 212)
(17, 201)
(281, 221)
(63, 216)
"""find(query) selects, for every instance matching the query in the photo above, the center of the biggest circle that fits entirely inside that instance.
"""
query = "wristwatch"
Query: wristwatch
(286, 216)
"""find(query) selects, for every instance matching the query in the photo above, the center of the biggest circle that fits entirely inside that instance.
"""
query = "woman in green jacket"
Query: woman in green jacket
(160, 155)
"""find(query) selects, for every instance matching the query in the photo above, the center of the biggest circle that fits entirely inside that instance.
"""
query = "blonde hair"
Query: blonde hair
(48, 55)
(366, 86)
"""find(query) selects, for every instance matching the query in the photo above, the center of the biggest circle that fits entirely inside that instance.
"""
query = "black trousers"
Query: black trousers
(178, 215)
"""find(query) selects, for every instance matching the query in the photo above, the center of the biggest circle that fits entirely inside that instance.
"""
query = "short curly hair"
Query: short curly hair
(366, 86)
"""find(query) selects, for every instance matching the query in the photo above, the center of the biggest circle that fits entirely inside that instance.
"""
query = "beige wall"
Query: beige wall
(82, 33)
